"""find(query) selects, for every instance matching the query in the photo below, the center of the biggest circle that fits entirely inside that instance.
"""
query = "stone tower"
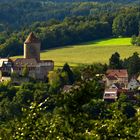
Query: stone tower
(32, 47)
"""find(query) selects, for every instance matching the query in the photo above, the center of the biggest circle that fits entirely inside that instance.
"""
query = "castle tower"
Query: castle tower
(32, 47)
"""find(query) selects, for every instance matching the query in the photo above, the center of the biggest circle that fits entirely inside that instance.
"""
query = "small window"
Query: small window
(107, 95)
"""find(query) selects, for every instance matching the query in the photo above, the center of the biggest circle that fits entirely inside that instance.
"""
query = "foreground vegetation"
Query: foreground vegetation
(44, 110)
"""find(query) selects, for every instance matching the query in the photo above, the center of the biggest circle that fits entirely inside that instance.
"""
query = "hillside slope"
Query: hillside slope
(91, 52)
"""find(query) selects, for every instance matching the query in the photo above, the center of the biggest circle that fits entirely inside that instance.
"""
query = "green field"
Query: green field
(91, 52)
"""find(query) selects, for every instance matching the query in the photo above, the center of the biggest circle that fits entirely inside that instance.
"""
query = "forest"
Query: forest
(16, 14)
(79, 22)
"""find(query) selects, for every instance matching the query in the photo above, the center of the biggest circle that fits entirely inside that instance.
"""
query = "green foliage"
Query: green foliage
(93, 71)
(12, 45)
(25, 71)
(69, 72)
(14, 75)
(135, 40)
(132, 64)
(53, 8)
(138, 41)
(54, 81)
(33, 112)
(115, 62)
(78, 115)
(126, 24)
(128, 110)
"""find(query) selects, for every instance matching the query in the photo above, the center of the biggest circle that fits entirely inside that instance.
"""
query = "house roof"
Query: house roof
(111, 77)
(111, 90)
(115, 85)
(121, 73)
(110, 94)
(66, 88)
(21, 62)
(32, 39)
(133, 79)
(44, 61)
(2, 60)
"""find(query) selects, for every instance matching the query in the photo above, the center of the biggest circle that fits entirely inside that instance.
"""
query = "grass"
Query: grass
(113, 41)
(91, 52)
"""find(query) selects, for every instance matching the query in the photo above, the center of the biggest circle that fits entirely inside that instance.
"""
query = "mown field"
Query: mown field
(91, 52)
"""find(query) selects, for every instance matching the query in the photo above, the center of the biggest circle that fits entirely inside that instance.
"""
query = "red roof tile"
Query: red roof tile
(110, 77)
(122, 73)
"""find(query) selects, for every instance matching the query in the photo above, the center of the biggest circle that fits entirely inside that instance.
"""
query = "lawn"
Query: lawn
(91, 52)
(113, 41)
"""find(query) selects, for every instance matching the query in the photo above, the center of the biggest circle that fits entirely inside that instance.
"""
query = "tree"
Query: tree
(125, 24)
(14, 75)
(69, 72)
(25, 71)
(138, 41)
(115, 62)
(54, 81)
(132, 64)
(133, 40)
(128, 110)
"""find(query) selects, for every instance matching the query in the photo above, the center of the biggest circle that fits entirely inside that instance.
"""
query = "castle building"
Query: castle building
(32, 47)
(37, 69)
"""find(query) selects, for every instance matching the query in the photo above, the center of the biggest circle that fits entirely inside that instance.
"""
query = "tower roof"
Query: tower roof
(32, 39)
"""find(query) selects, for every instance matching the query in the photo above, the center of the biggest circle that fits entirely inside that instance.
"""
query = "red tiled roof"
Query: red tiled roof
(110, 77)
(119, 73)
(32, 39)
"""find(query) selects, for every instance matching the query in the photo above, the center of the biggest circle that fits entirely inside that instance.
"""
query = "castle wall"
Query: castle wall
(43, 68)
(32, 50)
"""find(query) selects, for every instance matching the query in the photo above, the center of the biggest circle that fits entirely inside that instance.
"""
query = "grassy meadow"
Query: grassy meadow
(91, 52)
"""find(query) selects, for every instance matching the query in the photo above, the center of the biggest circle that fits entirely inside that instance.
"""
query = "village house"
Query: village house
(133, 84)
(116, 82)
(37, 69)
(5, 69)
(114, 76)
